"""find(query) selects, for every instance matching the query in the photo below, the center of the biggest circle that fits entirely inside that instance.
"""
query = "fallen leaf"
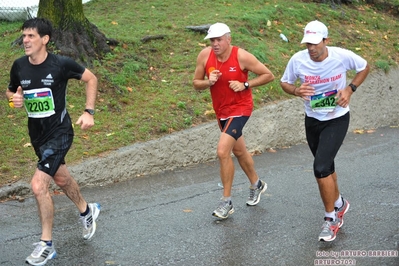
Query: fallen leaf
(114, 23)
(358, 131)
(26, 145)
(187, 210)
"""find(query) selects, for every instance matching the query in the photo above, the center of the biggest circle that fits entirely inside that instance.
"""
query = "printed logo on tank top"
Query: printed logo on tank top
(211, 69)
(231, 69)
(48, 81)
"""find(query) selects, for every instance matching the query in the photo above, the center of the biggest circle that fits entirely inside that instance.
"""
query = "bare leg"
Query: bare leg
(69, 186)
(40, 187)
(329, 192)
(335, 178)
(225, 146)
(245, 160)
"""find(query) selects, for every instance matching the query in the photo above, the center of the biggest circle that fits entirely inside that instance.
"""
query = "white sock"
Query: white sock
(338, 203)
(255, 185)
(331, 215)
(228, 199)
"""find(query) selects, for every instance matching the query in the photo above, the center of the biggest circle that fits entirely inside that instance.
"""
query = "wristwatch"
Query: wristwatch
(90, 111)
(246, 85)
(353, 87)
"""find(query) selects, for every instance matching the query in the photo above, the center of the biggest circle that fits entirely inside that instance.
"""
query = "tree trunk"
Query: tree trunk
(73, 34)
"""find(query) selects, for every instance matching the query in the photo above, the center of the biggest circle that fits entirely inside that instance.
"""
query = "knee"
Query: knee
(223, 153)
(60, 181)
(239, 153)
(38, 187)
(321, 171)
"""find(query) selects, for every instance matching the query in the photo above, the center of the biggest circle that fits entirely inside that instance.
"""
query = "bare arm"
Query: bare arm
(86, 120)
(344, 95)
(251, 63)
(199, 82)
(9, 94)
(289, 88)
(91, 88)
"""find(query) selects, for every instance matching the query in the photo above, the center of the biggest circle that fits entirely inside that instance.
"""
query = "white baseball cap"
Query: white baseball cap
(314, 32)
(217, 30)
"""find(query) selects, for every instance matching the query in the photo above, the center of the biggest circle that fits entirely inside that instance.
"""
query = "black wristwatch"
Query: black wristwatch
(90, 111)
(353, 87)
(246, 85)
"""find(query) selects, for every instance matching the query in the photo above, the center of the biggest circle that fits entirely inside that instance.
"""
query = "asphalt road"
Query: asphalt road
(165, 219)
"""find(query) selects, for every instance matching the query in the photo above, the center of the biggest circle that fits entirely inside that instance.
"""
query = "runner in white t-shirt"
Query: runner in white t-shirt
(322, 70)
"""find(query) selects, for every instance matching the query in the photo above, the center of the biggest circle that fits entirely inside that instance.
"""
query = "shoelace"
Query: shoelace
(326, 226)
(38, 249)
(252, 193)
(223, 206)
(87, 221)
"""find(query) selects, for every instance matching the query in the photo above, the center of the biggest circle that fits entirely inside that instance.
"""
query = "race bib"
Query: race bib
(39, 103)
(324, 102)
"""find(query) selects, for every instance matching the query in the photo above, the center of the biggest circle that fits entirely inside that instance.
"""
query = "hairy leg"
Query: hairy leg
(328, 191)
(40, 186)
(69, 186)
(225, 146)
(245, 160)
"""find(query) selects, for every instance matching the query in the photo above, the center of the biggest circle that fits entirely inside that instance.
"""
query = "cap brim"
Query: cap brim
(312, 39)
(209, 36)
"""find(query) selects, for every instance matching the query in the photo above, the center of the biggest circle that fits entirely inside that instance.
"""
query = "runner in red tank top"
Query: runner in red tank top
(226, 70)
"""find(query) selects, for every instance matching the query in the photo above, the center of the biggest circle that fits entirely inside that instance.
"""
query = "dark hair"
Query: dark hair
(42, 25)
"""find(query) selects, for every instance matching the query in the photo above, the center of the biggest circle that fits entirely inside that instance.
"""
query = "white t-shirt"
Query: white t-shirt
(325, 76)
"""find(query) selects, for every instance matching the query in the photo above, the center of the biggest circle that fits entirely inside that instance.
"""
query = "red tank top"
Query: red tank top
(226, 102)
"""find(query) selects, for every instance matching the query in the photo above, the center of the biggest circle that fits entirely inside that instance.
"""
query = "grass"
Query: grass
(145, 89)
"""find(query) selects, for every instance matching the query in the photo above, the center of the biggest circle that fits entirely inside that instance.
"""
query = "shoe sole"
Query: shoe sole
(95, 216)
(258, 199)
(223, 217)
(342, 217)
(329, 239)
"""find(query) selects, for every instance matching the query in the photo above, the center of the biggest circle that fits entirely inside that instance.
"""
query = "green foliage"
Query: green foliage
(145, 88)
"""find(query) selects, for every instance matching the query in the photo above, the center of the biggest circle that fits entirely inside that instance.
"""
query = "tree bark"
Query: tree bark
(73, 34)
